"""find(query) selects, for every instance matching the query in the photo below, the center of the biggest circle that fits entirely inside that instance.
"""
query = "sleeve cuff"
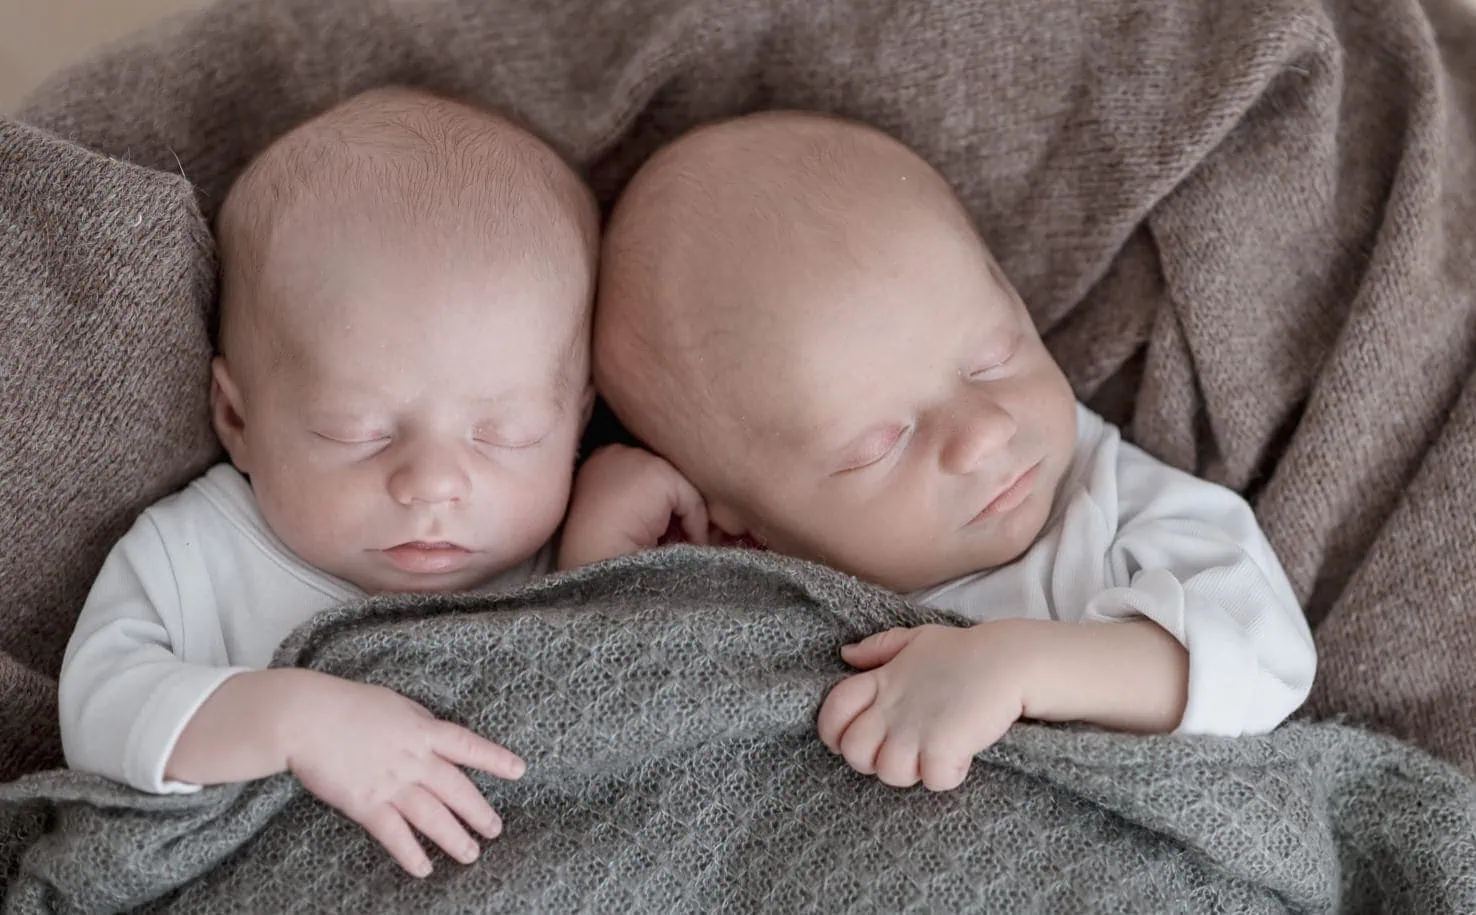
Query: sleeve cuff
(1224, 674)
(164, 717)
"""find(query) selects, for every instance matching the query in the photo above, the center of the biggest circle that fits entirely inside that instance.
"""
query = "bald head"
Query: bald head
(799, 315)
(406, 169)
(726, 254)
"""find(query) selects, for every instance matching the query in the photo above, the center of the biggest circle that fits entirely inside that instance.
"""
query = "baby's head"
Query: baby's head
(798, 313)
(406, 285)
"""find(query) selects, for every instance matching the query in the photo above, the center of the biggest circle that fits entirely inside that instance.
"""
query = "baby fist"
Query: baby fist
(930, 699)
(626, 500)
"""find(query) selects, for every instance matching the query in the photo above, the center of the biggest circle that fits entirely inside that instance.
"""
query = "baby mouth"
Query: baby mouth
(427, 557)
(1012, 496)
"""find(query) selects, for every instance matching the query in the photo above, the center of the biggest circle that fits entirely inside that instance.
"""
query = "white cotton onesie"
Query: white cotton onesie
(1131, 537)
(198, 589)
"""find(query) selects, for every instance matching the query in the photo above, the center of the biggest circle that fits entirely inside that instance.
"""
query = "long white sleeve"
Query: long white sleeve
(126, 690)
(198, 590)
(1198, 565)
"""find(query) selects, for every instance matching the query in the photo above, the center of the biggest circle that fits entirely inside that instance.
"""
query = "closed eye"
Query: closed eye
(512, 441)
(362, 438)
(994, 366)
(877, 449)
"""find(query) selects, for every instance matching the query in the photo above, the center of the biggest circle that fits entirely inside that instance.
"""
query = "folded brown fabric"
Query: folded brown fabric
(1248, 228)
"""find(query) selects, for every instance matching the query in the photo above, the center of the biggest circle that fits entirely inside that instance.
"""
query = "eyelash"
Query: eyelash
(381, 439)
(891, 448)
(1001, 363)
(482, 439)
(369, 440)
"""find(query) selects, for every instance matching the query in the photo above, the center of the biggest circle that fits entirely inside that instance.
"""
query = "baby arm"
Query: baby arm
(1205, 636)
(127, 684)
(932, 697)
(1197, 564)
(380, 759)
(132, 709)
(624, 501)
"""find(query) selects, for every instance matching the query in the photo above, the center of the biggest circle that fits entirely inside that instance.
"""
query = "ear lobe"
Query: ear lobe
(226, 414)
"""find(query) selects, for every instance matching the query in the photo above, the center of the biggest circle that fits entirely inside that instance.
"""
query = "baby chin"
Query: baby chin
(1002, 537)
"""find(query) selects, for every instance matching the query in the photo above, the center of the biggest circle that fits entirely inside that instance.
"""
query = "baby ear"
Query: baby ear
(226, 413)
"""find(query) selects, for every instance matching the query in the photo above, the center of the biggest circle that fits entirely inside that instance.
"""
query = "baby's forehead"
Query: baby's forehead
(816, 374)
(856, 310)
(376, 362)
(361, 310)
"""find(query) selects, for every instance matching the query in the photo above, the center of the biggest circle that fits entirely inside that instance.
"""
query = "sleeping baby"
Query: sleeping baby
(402, 381)
(798, 315)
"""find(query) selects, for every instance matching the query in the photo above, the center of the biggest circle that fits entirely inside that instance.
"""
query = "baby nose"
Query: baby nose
(977, 434)
(430, 477)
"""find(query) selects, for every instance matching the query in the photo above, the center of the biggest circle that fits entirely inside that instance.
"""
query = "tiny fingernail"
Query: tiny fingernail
(517, 769)
(470, 852)
(422, 869)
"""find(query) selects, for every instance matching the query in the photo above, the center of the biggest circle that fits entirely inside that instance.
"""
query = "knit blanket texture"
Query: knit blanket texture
(666, 704)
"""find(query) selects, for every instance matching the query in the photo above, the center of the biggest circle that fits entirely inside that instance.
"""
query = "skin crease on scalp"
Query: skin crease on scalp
(837, 363)
(404, 372)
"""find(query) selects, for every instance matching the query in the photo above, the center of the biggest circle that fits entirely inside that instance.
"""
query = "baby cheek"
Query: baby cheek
(317, 515)
(548, 499)
(525, 509)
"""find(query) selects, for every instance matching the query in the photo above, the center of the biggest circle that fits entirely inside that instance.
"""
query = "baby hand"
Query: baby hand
(387, 764)
(931, 698)
(624, 501)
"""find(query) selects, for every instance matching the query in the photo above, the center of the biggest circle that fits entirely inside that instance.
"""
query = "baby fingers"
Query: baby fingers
(691, 512)
(451, 787)
(878, 648)
(389, 829)
(425, 813)
(943, 771)
(897, 762)
(863, 740)
(848, 699)
(458, 745)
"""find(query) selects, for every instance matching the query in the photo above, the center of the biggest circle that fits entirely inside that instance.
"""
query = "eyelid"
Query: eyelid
(366, 438)
(900, 435)
(1003, 359)
(511, 446)
(489, 436)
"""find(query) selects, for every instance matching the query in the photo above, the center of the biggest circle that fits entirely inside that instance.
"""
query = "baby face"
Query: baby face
(408, 418)
(907, 422)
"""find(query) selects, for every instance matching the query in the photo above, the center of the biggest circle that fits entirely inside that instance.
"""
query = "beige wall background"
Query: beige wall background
(38, 36)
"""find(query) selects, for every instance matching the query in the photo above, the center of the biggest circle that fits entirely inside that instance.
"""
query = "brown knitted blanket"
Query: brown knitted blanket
(1248, 228)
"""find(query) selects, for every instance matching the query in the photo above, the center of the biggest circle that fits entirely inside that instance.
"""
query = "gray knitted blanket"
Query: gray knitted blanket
(665, 705)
